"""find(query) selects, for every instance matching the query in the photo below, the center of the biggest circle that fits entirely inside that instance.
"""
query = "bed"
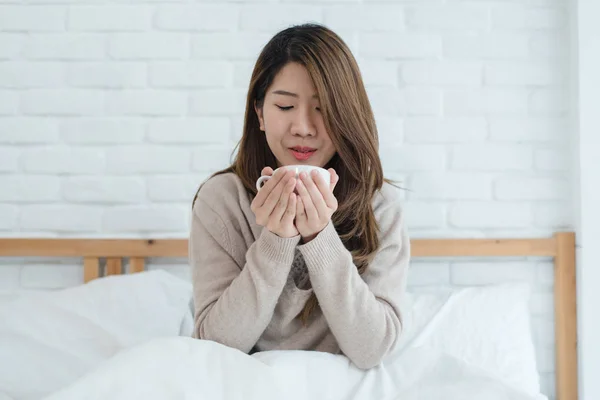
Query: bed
(113, 271)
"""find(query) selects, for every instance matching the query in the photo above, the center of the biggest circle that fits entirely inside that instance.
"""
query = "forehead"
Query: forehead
(294, 78)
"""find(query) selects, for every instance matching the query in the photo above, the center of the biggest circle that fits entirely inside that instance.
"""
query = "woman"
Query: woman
(302, 263)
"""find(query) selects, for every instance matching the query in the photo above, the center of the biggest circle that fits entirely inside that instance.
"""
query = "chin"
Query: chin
(311, 163)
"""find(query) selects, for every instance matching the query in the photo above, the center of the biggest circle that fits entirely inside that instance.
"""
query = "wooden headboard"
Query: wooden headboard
(560, 246)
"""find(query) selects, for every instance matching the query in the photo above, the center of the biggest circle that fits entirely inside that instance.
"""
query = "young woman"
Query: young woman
(302, 263)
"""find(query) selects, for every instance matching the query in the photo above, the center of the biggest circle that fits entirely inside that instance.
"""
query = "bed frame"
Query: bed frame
(560, 246)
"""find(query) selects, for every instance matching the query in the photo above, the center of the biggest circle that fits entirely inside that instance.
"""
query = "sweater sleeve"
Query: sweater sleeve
(362, 311)
(234, 304)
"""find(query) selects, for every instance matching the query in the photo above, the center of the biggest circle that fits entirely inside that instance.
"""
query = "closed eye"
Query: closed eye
(285, 108)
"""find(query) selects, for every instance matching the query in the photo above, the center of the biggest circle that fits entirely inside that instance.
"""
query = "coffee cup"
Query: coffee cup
(298, 169)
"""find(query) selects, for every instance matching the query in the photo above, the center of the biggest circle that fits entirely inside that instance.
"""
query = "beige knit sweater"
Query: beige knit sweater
(245, 296)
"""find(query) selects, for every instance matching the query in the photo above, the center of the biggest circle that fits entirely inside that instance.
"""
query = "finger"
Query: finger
(334, 179)
(282, 203)
(265, 191)
(290, 211)
(317, 198)
(275, 194)
(300, 212)
(309, 207)
(267, 171)
(326, 191)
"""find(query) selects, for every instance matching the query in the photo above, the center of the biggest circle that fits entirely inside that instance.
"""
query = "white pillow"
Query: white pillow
(47, 340)
(486, 326)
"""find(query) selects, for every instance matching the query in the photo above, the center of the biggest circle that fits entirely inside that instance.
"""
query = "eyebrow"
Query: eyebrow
(286, 93)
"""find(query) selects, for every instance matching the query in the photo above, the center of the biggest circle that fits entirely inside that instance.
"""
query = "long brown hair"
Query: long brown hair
(348, 119)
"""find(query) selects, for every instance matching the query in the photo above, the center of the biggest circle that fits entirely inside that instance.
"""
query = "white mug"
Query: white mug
(298, 168)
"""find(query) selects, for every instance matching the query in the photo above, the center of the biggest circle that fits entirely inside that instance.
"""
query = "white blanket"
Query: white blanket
(127, 337)
(185, 368)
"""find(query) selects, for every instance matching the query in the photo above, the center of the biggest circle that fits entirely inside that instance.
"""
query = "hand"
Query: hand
(316, 203)
(275, 205)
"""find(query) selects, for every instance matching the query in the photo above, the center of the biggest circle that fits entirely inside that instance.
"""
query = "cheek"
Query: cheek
(330, 148)
(274, 124)
(327, 139)
(274, 131)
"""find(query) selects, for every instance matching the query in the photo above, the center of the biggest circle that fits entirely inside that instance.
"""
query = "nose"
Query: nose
(303, 125)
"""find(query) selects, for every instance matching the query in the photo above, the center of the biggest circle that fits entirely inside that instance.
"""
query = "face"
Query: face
(292, 122)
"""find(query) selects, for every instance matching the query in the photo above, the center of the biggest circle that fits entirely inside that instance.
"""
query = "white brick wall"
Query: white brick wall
(111, 114)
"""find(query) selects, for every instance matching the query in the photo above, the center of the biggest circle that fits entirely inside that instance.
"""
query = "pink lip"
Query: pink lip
(302, 153)
(303, 149)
